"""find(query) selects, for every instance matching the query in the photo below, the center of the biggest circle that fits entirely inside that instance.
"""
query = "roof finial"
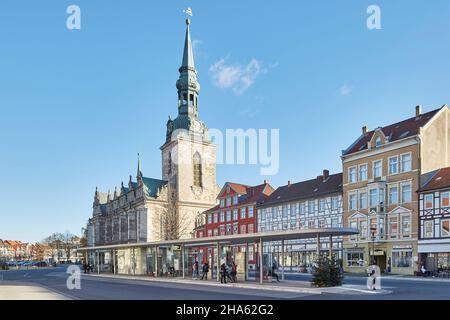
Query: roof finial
(139, 172)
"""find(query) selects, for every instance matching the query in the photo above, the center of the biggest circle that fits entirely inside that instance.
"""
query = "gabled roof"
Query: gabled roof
(313, 188)
(248, 194)
(400, 130)
(153, 185)
(236, 187)
(439, 179)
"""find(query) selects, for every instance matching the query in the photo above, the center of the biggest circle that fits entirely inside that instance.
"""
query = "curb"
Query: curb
(214, 284)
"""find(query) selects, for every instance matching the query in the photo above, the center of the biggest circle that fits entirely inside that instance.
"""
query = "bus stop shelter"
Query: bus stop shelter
(228, 240)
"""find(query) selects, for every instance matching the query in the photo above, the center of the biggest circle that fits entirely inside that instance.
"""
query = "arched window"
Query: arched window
(197, 170)
(169, 164)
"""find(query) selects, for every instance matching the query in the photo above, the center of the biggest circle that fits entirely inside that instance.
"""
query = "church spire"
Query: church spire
(139, 172)
(188, 56)
(187, 84)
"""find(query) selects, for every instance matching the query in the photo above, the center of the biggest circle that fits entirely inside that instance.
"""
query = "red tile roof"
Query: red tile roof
(313, 188)
(400, 130)
(440, 180)
(256, 194)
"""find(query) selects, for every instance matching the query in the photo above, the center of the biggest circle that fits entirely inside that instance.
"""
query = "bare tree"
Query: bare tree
(170, 223)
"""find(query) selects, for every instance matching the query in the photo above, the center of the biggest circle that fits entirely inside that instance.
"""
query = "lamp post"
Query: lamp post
(373, 230)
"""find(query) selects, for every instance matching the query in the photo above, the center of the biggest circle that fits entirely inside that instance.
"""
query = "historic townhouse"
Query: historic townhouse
(381, 174)
(235, 214)
(434, 220)
(310, 204)
(149, 209)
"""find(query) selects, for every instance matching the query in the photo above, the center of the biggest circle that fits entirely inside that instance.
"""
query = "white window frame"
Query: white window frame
(322, 207)
(397, 165)
(441, 223)
(401, 162)
(405, 235)
(355, 168)
(389, 194)
(425, 196)
(377, 193)
(250, 212)
(359, 172)
(373, 168)
(353, 195)
(242, 213)
(410, 191)
(425, 224)
(359, 199)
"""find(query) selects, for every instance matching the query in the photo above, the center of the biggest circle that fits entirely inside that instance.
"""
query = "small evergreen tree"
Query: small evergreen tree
(327, 273)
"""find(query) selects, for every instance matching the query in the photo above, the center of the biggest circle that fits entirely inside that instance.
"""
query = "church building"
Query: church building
(148, 209)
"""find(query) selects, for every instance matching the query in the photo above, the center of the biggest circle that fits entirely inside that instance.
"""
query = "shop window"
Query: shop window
(402, 259)
(355, 259)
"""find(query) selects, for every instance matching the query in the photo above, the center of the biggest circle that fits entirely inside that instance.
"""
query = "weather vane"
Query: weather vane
(188, 12)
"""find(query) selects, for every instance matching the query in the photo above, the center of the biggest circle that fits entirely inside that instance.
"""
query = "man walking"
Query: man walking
(223, 273)
(205, 270)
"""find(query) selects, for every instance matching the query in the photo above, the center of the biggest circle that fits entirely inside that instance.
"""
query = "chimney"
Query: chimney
(364, 130)
(289, 183)
(265, 181)
(326, 174)
(418, 111)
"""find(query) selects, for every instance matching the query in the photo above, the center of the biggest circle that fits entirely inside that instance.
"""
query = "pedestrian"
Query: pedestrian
(205, 270)
(84, 267)
(274, 274)
(195, 270)
(223, 273)
(233, 271)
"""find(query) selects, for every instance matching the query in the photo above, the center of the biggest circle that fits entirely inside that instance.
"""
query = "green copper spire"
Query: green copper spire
(187, 84)
(188, 91)
(188, 56)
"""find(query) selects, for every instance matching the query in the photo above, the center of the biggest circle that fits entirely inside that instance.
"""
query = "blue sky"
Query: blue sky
(77, 106)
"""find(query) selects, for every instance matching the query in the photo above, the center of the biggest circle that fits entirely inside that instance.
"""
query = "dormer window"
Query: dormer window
(378, 141)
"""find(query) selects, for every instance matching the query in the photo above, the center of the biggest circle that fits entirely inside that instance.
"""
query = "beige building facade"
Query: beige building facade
(381, 176)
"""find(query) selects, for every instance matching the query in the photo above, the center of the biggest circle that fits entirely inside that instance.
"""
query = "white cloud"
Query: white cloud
(196, 43)
(345, 90)
(238, 78)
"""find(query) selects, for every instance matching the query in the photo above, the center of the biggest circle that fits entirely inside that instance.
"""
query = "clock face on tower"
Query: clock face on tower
(197, 126)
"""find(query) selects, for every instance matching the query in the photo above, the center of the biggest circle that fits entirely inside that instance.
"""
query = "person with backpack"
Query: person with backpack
(205, 270)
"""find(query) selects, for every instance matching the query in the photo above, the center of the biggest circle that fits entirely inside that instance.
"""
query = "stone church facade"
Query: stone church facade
(150, 209)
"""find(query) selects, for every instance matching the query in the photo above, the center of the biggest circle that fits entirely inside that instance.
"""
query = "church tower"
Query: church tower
(188, 155)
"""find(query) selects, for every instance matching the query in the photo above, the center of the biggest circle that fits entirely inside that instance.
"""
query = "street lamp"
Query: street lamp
(373, 230)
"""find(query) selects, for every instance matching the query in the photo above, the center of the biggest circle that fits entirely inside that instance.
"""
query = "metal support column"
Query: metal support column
(282, 260)
(331, 248)
(246, 261)
(218, 262)
(182, 260)
(113, 253)
(318, 246)
(98, 262)
(261, 268)
(156, 261)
